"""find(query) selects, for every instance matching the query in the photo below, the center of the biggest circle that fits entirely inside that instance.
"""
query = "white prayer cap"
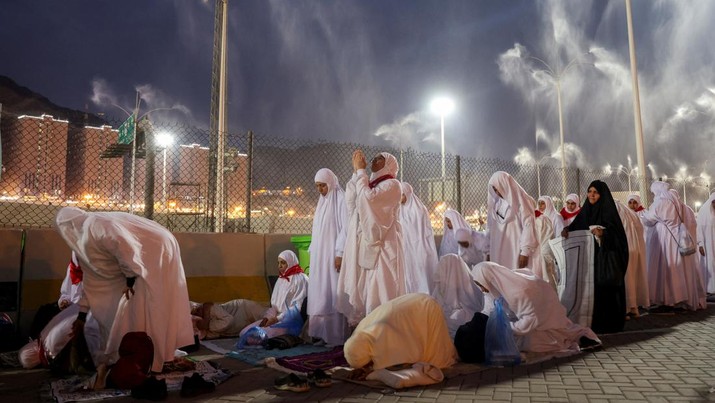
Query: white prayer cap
(574, 198)
(290, 258)
(634, 197)
(463, 235)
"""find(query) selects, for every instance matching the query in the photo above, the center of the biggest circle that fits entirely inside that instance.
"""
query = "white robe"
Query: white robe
(328, 242)
(511, 224)
(350, 298)
(406, 330)
(449, 242)
(459, 297)
(557, 222)
(545, 233)
(636, 275)
(420, 250)
(666, 268)
(706, 240)
(542, 325)
(477, 249)
(70, 292)
(114, 246)
(380, 252)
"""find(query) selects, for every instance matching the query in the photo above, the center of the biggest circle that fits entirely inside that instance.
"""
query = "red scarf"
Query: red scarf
(75, 273)
(640, 208)
(293, 270)
(376, 181)
(566, 215)
(538, 213)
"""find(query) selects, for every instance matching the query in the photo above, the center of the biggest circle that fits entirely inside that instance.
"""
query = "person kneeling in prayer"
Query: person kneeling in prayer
(410, 329)
(541, 324)
(212, 321)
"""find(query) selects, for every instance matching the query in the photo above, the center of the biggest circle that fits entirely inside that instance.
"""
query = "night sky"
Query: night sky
(346, 70)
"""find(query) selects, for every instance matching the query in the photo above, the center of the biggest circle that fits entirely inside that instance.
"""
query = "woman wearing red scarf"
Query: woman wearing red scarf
(570, 209)
(290, 289)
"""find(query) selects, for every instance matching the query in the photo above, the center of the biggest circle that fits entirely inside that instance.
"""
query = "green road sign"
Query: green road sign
(126, 131)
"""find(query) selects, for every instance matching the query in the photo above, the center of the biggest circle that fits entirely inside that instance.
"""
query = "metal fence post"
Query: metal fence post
(458, 175)
(149, 172)
(249, 180)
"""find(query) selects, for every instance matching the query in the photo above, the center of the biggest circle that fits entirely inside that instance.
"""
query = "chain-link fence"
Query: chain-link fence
(267, 182)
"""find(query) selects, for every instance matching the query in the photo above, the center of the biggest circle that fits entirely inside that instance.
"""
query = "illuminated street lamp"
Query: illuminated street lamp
(442, 106)
(164, 140)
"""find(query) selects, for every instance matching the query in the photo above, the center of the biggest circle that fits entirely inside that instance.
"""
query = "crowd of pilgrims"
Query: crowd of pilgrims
(379, 285)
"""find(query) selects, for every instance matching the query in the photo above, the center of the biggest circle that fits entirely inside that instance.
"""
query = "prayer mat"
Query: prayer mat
(72, 389)
(259, 356)
(574, 257)
(302, 364)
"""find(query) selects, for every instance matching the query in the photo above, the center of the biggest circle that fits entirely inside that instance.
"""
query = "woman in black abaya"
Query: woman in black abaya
(610, 257)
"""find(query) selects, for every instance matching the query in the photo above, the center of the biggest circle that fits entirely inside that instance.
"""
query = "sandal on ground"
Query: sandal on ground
(319, 378)
(291, 382)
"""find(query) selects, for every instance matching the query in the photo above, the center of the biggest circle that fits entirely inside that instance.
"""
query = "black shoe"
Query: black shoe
(587, 344)
(151, 389)
(195, 386)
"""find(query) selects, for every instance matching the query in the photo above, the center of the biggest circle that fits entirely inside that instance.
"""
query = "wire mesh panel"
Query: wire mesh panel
(163, 171)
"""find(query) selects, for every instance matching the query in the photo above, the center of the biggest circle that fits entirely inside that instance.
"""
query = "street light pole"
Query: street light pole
(442, 107)
(556, 76)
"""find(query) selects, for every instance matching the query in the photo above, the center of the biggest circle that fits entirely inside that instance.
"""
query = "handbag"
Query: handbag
(686, 245)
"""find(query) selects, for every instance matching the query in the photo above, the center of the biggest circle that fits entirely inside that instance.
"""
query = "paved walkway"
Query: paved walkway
(657, 359)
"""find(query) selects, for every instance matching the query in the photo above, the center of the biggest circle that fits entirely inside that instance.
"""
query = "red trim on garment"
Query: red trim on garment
(640, 208)
(75, 273)
(537, 213)
(566, 215)
(375, 182)
(293, 270)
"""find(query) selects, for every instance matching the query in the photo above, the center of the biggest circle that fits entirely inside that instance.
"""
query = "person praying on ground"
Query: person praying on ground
(406, 330)
(290, 290)
(568, 212)
(634, 203)
(226, 319)
(458, 296)
(599, 214)
(706, 242)
(327, 324)
(473, 245)
(380, 254)
(420, 250)
(546, 207)
(453, 221)
(541, 324)
(636, 275)
(133, 280)
(511, 222)
(70, 293)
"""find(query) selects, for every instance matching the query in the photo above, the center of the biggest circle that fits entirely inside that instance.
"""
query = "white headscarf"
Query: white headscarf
(574, 198)
(511, 192)
(661, 191)
(635, 197)
(391, 167)
(329, 214)
(707, 211)
(449, 242)
(290, 258)
(456, 293)
(550, 211)
(412, 214)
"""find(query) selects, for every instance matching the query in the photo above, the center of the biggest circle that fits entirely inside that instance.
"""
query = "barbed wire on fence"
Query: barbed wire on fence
(49, 163)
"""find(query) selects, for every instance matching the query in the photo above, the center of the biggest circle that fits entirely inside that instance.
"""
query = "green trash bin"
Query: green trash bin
(302, 243)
